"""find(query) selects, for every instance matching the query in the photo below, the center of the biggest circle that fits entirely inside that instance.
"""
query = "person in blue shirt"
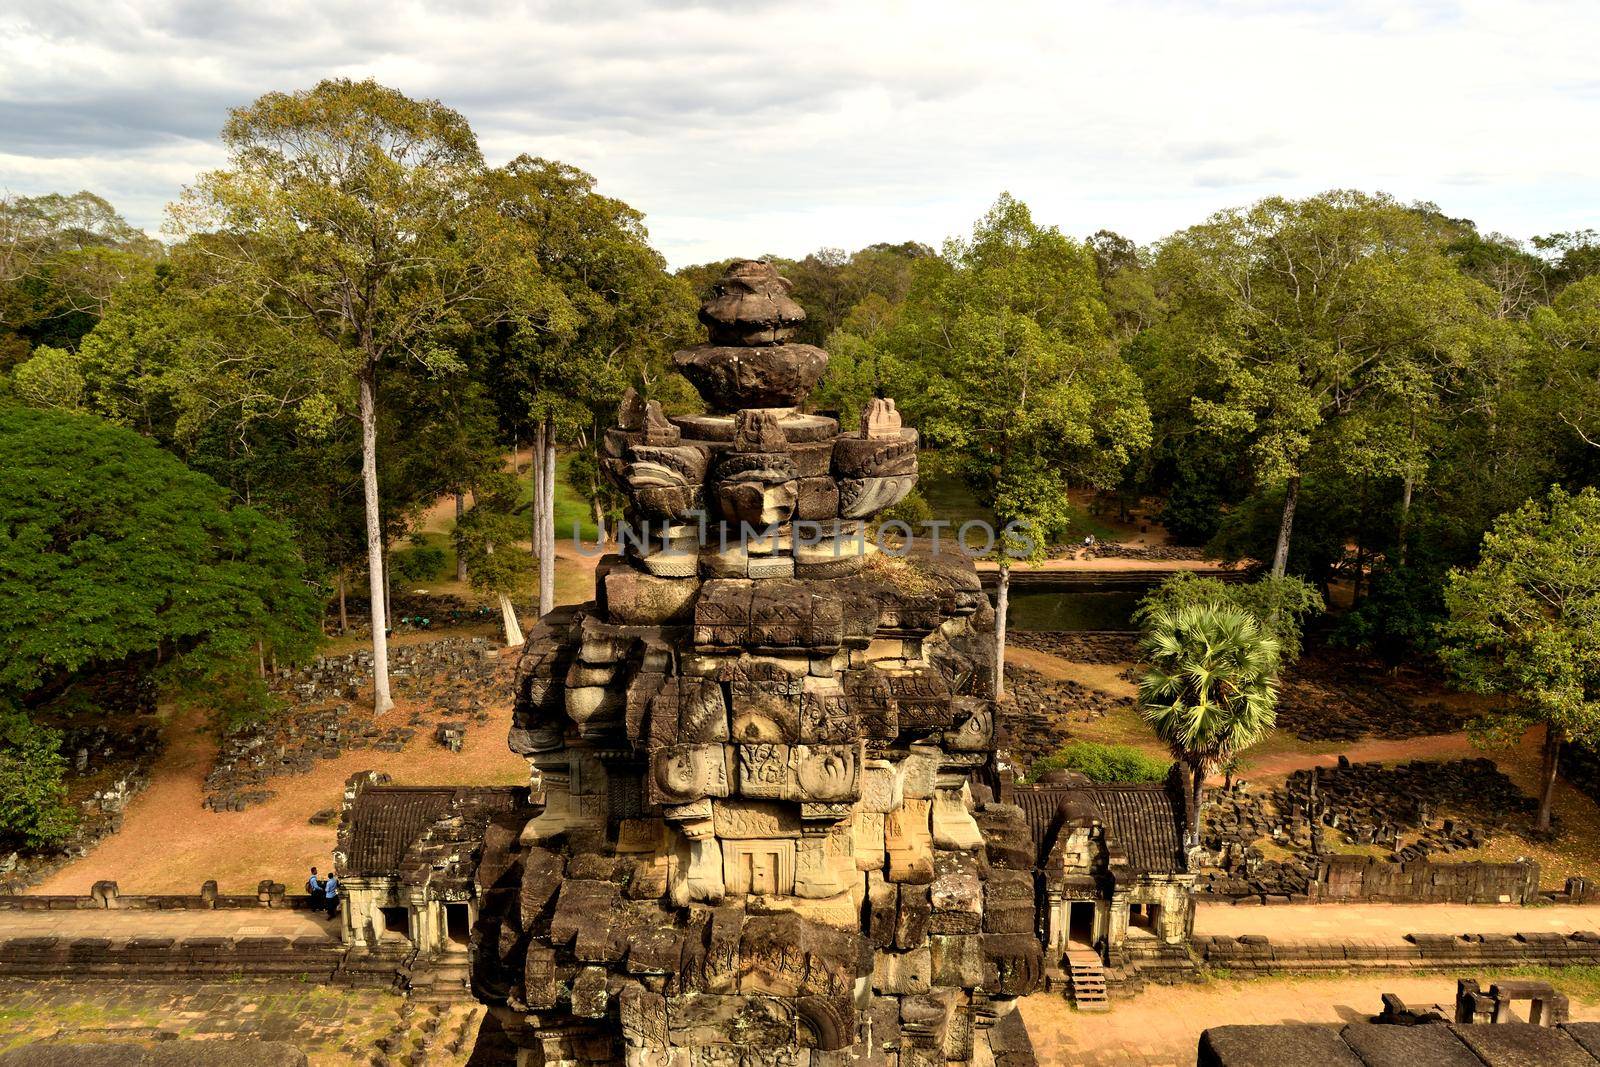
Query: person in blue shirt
(330, 890)
(314, 886)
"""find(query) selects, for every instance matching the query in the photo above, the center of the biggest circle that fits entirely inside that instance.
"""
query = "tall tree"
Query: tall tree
(61, 259)
(623, 314)
(1303, 313)
(1011, 373)
(354, 214)
(1525, 623)
(1211, 689)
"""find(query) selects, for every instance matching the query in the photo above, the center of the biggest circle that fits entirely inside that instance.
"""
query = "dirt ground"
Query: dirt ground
(1573, 851)
(170, 844)
(1161, 1027)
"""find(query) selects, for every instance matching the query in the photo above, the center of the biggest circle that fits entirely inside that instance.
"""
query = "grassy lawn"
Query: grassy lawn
(570, 507)
(952, 501)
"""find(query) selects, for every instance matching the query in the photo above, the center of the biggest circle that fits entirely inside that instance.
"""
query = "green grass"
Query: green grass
(1102, 763)
(952, 501)
(570, 507)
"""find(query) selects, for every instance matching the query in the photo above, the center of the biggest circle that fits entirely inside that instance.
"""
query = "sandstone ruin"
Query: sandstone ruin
(762, 754)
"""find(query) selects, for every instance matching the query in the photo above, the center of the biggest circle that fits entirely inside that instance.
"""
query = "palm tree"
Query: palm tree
(1211, 691)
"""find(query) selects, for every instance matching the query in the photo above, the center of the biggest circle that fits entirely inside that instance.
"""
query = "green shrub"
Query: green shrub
(33, 796)
(1102, 763)
(423, 563)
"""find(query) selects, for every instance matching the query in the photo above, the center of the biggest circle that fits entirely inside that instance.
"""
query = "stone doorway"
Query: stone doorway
(457, 925)
(1080, 923)
(1144, 920)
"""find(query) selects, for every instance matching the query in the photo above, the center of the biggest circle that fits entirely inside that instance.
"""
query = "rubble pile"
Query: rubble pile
(1396, 811)
(1042, 710)
(1328, 699)
(1104, 649)
(455, 678)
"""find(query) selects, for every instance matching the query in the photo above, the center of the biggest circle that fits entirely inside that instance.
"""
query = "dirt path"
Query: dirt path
(225, 922)
(1162, 1025)
(1377, 750)
(170, 844)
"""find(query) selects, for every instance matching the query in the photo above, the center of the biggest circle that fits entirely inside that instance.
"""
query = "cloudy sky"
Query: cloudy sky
(744, 127)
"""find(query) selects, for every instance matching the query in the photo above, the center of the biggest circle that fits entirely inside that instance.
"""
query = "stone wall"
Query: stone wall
(311, 958)
(106, 895)
(1254, 952)
(1347, 878)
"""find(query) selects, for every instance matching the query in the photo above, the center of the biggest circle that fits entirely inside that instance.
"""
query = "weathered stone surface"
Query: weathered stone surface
(766, 757)
(1274, 1046)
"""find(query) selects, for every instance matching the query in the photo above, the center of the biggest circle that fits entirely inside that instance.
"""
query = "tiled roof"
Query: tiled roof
(387, 819)
(1142, 819)
(1145, 822)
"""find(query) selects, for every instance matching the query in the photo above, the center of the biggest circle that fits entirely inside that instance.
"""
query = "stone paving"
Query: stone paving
(1387, 923)
(333, 1027)
(1161, 1027)
(229, 922)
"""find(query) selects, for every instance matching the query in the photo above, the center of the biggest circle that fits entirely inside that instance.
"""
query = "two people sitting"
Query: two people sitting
(324, 893)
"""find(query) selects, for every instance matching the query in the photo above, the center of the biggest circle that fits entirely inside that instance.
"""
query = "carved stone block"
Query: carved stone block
(909, 842)
(862, 498)
(748, 819)
(682, 773)
(759, 866)
(638, 598)
(953, 825)
(816, 499)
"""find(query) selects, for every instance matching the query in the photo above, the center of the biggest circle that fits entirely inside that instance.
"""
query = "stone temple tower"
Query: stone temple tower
(762, 756)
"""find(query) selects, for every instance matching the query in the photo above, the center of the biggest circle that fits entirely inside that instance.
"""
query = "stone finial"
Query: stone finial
(880, 419)
(750, 305)
(657, 430)
(756, 430)
(631, 411)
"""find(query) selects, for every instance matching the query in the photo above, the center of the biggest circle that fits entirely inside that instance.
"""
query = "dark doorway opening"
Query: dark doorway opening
(1144, 917)
(1080, 925)
(458, 926)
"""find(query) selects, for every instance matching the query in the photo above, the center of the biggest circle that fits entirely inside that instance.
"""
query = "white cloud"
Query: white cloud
(780, 127)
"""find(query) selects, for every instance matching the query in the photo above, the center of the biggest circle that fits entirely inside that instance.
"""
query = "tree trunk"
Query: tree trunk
(1405, 514)
(1002, 603)
(381, 700)
(547, 572)
(461, 561)
(1197, 792)
(388, 590)
(599, 522)
(536, 512)
(1547, 776)
(261, 660)
(508, 618)
(344, 616)
(1291, 497)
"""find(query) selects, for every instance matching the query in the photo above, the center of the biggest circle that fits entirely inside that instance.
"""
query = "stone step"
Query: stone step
(1087, 983)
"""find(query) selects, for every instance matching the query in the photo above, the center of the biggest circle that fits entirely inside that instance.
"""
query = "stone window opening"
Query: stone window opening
(1144, 918)
(396, 923)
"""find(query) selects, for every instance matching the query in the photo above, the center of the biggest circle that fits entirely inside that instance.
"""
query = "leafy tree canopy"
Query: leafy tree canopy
(1525, 623)
(1279, 606)
(111, 550)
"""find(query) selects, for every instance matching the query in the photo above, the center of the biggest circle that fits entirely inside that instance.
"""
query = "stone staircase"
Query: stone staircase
(1087, 977)
(441, 979)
